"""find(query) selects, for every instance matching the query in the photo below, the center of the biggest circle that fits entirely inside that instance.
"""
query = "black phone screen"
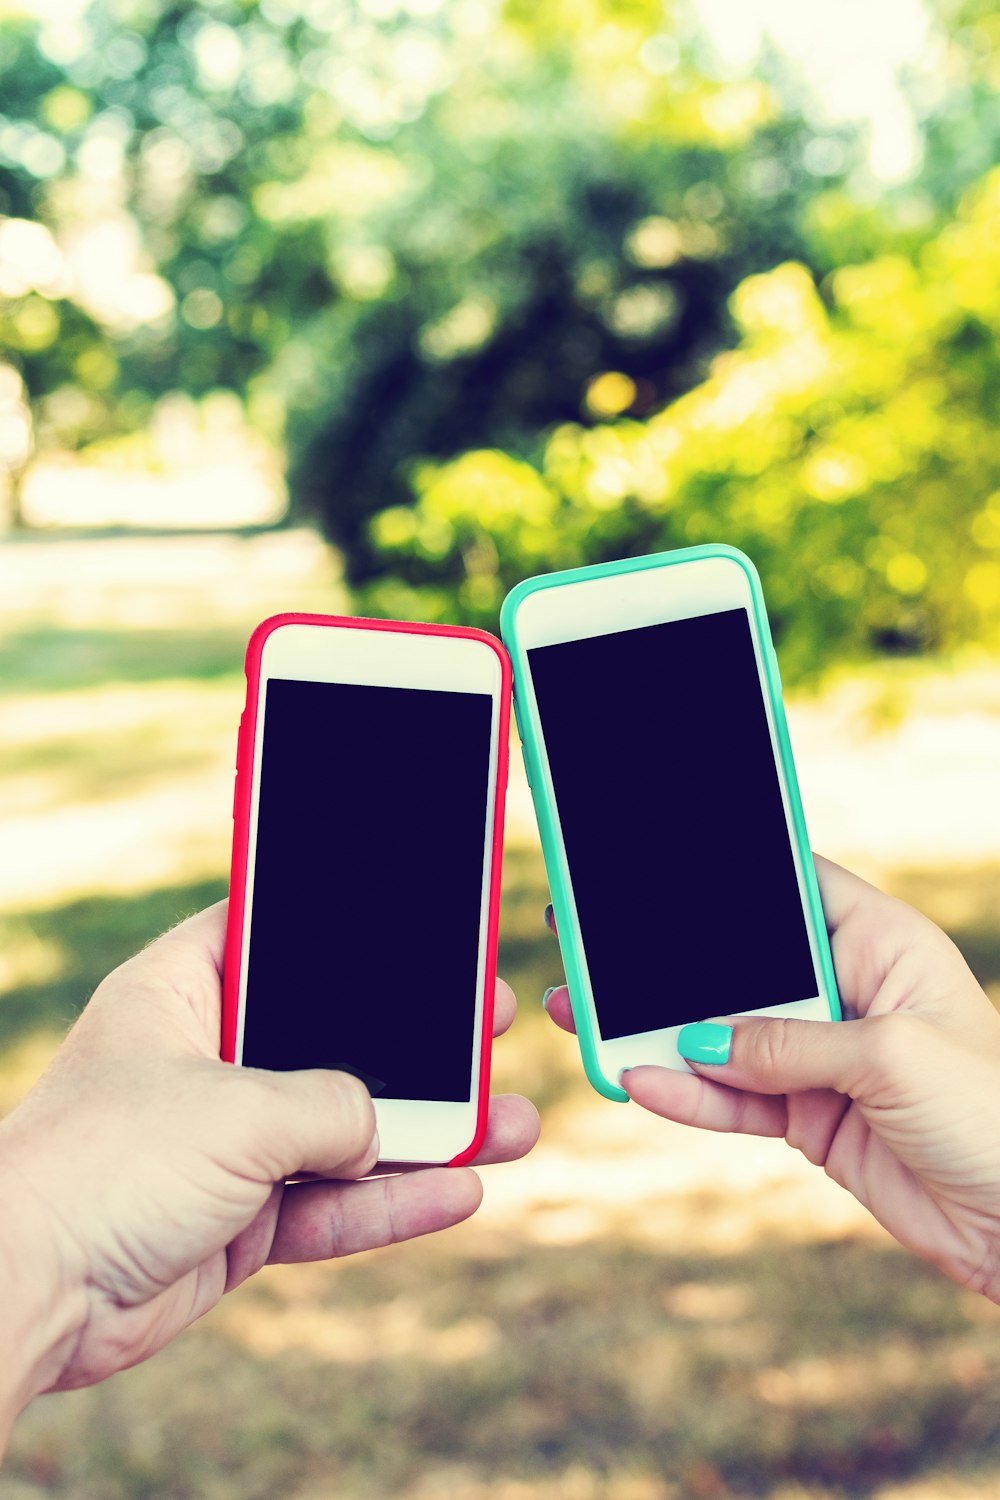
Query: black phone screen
(673, 823)
(367, 888)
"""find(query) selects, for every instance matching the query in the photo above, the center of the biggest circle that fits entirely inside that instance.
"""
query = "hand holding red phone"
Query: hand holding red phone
(372, 767)
(901, 1106)
(142, 1177)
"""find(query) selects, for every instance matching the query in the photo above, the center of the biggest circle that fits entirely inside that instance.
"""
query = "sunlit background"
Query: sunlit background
(380, 307)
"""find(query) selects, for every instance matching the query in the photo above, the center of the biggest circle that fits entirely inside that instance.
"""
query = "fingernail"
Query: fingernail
(545, 998)
(549, 917)
(622, 1072)
(705, 1042)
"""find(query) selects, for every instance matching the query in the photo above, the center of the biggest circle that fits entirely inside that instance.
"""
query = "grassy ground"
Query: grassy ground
(637, 1313)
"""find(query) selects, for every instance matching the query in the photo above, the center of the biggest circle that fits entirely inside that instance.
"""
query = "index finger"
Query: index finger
(325, 1220)
(504, 1007)
(557, 1006)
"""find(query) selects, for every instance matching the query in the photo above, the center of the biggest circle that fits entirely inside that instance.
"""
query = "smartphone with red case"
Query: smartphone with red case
(365, 885)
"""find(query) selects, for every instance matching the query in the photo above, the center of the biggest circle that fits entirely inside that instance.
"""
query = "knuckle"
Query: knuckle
(767, 1046)
(357, 1112)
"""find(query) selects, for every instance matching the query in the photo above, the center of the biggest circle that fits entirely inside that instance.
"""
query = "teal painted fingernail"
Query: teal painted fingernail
(545, 998)
(705, 1042)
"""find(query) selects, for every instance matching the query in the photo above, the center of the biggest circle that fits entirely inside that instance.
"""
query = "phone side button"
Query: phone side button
(239, 758)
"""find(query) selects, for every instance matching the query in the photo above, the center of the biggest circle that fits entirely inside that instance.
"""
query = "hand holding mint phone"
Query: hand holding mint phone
(901, 1106)
(649, 706)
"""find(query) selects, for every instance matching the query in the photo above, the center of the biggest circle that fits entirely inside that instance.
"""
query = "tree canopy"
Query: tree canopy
(518, 287)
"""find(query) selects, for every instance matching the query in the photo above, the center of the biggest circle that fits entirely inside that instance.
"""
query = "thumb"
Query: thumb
(314, 1120)
(771, 1055)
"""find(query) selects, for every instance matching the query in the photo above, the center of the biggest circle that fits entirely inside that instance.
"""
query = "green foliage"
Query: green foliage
(473, 266)
(847, 442)
(398, 233)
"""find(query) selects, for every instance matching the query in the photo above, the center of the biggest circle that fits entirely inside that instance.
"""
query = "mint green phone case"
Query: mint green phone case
(552, 846)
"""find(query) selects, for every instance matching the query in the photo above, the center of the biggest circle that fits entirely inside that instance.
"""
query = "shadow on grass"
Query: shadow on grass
(837, 1366)
(90, 937)
(84, 941)
(484, 1363)
(44, 659)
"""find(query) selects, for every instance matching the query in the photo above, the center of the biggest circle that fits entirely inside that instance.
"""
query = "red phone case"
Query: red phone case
(241, 833)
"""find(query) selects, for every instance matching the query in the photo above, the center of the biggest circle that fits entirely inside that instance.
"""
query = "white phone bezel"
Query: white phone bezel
(410, 1130)
(591, 607)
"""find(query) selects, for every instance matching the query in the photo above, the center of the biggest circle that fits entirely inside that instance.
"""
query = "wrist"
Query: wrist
(42, 1310)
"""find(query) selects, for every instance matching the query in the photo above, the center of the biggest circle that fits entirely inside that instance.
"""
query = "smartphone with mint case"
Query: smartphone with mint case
(617, 607)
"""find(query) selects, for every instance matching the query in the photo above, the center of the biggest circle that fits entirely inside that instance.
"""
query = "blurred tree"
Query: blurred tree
(398, 231)
(48, 341)
(550, 225)
(958, 103)
(850, 429)
(473, 266)
(847, 442)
